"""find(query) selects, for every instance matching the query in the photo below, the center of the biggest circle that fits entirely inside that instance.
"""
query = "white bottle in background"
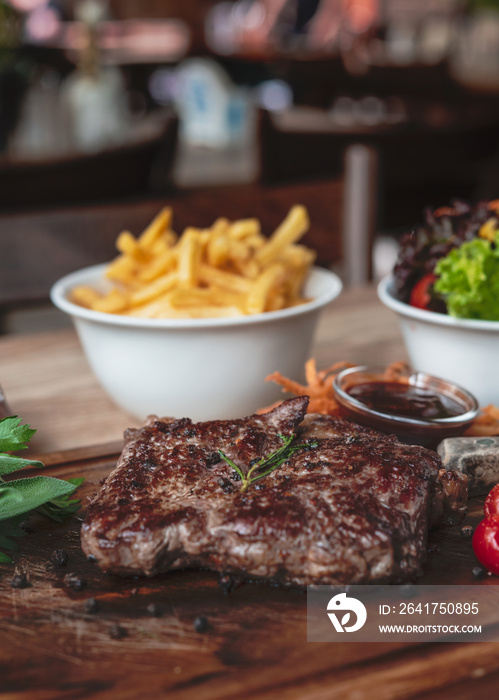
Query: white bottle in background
(94, 95)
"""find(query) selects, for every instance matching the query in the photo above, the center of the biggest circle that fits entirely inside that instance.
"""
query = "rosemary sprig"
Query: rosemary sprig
(266, 465)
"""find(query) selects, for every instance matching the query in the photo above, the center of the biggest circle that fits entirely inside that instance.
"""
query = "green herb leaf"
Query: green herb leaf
(14, 436)
(63, 507)
(9, 529)
(11, 463)
(20, 497)
(8, 543)
(34, 492)
(9, 496)
(266, 465)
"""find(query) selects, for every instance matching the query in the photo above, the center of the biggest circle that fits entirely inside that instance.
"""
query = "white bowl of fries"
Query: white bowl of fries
(221, 332)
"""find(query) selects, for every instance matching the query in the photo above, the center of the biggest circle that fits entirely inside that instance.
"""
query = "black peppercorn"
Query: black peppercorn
(75, 582)
(59, 557)
(478, 571)
(91, 606)
(117, 631)
(154, 610)
(19, 581)
(201, 624)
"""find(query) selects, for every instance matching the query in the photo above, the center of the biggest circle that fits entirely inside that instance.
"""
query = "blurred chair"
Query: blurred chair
(143, 164)
(40, 247)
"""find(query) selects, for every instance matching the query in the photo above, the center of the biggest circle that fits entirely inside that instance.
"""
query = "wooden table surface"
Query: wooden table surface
(52, 648)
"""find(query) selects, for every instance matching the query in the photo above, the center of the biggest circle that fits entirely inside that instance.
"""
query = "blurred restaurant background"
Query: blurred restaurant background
(366, 111)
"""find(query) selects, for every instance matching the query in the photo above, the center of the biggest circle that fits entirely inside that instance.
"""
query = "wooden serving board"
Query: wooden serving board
(52, 647)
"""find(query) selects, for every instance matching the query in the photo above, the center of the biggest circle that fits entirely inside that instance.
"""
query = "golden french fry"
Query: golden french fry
(261, 287)
(223, 279)
(244, 228)
(248, 268)
(256, 242)
(238, 251)
(122, 269)
(112, 303)
(159, 307)
(128, 245)
(158, 225)
(154, 289)
(291, 229)
(218, 247)
(85, 296)
(159, 266)
(297, 256)
(206, 296)
(188, 258)
(276, 301)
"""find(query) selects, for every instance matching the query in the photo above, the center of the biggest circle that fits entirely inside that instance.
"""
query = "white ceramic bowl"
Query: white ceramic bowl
(200, 368)
(464, 351)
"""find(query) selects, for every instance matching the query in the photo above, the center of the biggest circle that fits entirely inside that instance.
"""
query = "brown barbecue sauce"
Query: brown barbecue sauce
(399, 399)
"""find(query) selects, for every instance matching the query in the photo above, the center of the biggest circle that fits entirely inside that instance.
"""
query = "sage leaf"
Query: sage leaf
(34, 492)
(10, 463)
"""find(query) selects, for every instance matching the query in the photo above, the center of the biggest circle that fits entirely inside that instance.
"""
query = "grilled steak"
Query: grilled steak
(355, 508)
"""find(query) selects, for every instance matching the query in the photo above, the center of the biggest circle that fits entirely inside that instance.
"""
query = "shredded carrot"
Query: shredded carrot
(319, 387)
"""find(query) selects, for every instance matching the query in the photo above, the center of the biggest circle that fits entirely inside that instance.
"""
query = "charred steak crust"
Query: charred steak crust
(355, 509)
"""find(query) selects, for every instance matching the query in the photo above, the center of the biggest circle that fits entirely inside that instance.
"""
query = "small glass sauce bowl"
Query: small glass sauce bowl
(414, 429)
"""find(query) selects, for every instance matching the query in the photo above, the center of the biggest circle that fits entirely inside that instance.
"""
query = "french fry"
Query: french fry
(129, 246)
(204, 297)
(112, 303)
(218, 245)
(122, 269)
(247, 268)
(292, 228)
(154, 289)
(158, 225)
(244, 228)
(188, 258)
(261, 287)
(157, 308)
(85, 296)
(223, 279)
(159, 266)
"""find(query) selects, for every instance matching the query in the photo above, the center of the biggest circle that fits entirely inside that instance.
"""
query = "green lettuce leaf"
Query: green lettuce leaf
(468, 279)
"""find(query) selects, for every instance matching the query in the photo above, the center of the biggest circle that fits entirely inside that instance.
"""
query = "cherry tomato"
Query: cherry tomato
(420, 294)
(491, 506)
(486, 544)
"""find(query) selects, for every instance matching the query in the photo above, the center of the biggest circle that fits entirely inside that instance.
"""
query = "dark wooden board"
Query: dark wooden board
(255, 645)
